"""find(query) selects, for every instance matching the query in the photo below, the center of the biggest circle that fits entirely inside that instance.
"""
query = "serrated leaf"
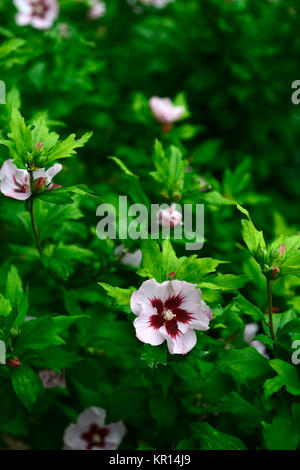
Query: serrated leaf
(66, 148)
(120, 296)
(287, 377)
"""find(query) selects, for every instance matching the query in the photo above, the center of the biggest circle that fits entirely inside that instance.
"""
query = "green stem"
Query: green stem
(271, 326)
(34, 227)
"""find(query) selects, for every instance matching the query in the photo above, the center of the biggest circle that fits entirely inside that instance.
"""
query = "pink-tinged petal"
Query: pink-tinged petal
(8, 169)
(40, 173)
(261, 348)
(53, 170)
(164, 110)
(141, 300)
(23, 6)
(22, 19)
(191, 299)
(156, 3)
(132, 259)
(116, 432)
(170, 217)
(42, 23)
(97, 10)
(50, 379)
(250, 331)
(106, 446)
(72, 437)
(92, 415)
(199, 322)
(145, 332)
(14, 182)
(177, 112)
(136, 303)
(9, 189)
(182, 343)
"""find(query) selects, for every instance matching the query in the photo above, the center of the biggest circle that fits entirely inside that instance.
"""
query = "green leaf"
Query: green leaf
(61, 259)
(120, 296)
(248, 414)
(287, 376)
(152, 261)
(247, 308)
(5, 307)
(244, 364)
(163, 410)
(226, 282)
(154, 356)
(18, 299)
(123, 167)
(291, 265)
(170, 168)
(9, 46)
(27, 385)
(210, 438)
(193, 269)
(44, 332)
(66, 148)
(281, 434)
(253, 238)
(20, 136)
(63, 195)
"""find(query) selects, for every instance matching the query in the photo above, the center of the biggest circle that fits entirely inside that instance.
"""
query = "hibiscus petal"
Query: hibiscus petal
(145, 332)
(116, 432)
(182, 344)
(53, 170)
(72, 437)
(8, 188)
(92, 415)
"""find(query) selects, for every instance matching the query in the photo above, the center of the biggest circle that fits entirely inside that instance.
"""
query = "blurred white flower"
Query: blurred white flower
(40, 14)
(170, 217)
(96, 10)
(251, 330)
(156, 3)
(128, 259)
(90, 432)
(50, 378)
(164, 110)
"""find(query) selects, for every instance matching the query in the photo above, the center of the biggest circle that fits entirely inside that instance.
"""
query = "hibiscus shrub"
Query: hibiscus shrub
(145, 342)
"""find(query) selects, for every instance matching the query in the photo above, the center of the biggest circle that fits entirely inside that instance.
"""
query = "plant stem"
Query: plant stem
(34, 227)
(271, 326)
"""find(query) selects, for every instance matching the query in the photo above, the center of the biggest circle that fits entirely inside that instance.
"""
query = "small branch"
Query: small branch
(271, 326)
(34, 227)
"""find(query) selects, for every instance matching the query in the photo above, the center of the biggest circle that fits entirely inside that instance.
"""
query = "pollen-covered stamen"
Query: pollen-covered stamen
(169, 315)
(95, 437)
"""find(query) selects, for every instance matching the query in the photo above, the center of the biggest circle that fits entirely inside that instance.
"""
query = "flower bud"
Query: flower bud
(40, 184)
(14, 362)
(282, 250)
(275, 271)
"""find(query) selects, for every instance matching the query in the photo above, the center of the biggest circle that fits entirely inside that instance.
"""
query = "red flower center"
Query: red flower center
(169, 314)
(22, 188)
(39, 8)
(95, 436)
